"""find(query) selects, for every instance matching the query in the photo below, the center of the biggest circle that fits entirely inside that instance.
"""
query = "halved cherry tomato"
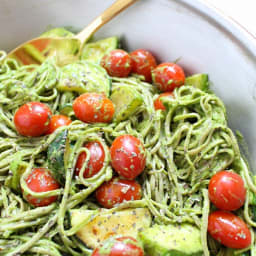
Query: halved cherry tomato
(96, 159)
(116, 191)
(41, 180)
(143, 62)
(58, 121)
(158, 104)
(128, 156)
(227, 191)
(168, 76)
(117, 63)
(229, 230)
(93, 108)
(32, 119)
(121, 246)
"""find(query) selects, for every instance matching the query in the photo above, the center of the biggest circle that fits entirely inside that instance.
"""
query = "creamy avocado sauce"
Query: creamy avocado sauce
(184, 146)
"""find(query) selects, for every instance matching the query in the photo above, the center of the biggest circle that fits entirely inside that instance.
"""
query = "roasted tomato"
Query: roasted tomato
(158, 103)
(229, 230)
(97, 156)
(117, 191)
(168, 76)
(121, 246)
(93, 108)
(117, 63)
(128, 156)
(143, 62)
(41, 180)
(58, 121)
(32, 119)
(227, 191)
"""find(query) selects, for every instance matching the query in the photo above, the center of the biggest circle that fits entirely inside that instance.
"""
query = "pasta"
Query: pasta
(184, 148)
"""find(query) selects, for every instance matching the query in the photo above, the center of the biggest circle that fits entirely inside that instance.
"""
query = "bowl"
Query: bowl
(203, 39)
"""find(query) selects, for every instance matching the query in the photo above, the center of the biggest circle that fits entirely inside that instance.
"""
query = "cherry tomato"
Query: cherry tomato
(58, 121)
(32, 119)
(116, 191)
(229, 230)
(143, 62)
(93, 108)
(117, 63)
(96, 159)
(128, 156)
(41, 180)
(168, 76)
(227, 190)
(158, 104)
(121, 246)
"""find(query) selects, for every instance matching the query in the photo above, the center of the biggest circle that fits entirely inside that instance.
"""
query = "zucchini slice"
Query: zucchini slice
(83, 77)
(200, 81)
(107, 223)
(56, 153)
(94, 51)
(126, 101)
(57, 32)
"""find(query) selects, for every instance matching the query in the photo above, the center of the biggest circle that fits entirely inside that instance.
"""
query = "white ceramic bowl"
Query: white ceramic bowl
(205, 40)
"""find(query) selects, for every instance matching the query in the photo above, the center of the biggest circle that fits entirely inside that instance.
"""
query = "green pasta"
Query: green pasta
(185, 146)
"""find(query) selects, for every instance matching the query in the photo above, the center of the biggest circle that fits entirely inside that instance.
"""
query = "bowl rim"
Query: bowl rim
(233, 29)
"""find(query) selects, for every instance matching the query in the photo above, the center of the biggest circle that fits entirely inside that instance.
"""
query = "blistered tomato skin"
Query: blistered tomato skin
(32, 119)
(168, 76)
(143, 62)
(128, 156)
(117, 63)
(41, 180)
(227, 191)
(97, 156)
(229, 230)
(158, 103)
(58, 121)
(117, 191)
(93, 108)
(121, 246)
